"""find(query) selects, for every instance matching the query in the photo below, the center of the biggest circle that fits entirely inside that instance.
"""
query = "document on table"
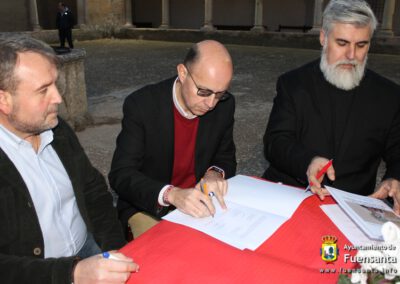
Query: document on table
(256, 209)
(346, 225)
(368, 213)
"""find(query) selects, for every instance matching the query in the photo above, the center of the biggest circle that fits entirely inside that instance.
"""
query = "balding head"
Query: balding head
(206, 51)
(207, 67)
(211, 58)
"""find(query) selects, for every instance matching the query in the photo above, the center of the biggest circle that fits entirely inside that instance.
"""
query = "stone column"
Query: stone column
(386, 28)
(81, 7)
(128, 14)
(34, 16)
(165, 15)
(317, 21)
(208, 25)
(258, 16)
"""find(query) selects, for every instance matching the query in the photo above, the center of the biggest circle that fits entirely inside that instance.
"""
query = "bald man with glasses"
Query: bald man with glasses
(175, 134)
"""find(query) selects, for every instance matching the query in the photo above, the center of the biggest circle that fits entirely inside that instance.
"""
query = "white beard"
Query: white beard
(342, 78)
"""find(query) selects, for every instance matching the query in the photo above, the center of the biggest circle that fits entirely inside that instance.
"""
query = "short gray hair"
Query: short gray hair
(355, 12)
(10, 47)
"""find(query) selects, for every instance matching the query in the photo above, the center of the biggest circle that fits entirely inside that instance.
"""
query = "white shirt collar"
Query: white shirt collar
(185, 114)
(46, 137)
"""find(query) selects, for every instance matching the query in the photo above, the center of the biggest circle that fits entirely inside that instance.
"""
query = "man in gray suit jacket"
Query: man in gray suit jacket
(335, 108)
(56, 214)
(174, 133)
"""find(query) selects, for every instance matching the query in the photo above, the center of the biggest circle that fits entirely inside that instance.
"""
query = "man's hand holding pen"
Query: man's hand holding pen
(316, 171)
(197, 201)
(206, 192)
(217, 184)
(191, 201)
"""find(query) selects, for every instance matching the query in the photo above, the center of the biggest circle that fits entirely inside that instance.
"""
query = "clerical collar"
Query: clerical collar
(185, 114)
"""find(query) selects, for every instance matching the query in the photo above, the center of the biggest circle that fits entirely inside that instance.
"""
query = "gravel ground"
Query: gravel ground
(114, 68)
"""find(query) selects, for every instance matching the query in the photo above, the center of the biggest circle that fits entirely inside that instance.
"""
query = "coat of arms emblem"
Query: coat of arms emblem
(329, 250)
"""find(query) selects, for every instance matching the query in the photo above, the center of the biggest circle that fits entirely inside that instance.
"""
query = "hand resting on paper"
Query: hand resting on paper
(317, 163)
(389, 188)
(97, 269)
(191, 201)
(194, 202)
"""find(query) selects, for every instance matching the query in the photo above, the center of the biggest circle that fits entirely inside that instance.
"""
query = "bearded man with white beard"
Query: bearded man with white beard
(335, 108)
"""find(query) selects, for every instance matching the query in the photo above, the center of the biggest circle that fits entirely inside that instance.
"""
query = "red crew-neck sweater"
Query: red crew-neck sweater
(185, 134)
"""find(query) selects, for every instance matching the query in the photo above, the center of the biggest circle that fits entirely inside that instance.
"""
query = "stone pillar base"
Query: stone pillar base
(315, 30)
(164, 27)
(36, 28)
(72, 87)
(258, 29)
(208, 27)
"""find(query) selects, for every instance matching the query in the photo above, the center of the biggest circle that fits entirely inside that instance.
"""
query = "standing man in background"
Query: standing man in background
(64, 23)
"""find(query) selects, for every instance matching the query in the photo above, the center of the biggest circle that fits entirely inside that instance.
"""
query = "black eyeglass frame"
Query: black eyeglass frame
(220, 96)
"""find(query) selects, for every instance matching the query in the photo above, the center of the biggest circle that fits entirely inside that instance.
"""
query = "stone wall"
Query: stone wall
(14, 16)
(184, 14)
(100, 12)
(72, 87)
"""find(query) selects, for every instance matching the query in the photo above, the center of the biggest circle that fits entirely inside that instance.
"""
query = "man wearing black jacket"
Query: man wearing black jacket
(336, 108)
(56, 214)
(64, 23)
(175, 133)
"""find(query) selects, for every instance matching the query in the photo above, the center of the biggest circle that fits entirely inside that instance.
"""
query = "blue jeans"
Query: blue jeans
(89, 248)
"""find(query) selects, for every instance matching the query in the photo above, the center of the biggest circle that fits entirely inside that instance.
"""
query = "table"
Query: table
(172, 253)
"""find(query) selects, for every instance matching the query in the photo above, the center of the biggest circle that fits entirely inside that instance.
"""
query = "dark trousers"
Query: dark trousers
(65, 34)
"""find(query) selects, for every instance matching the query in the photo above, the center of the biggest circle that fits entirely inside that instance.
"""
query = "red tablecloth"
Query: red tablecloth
(172, 253)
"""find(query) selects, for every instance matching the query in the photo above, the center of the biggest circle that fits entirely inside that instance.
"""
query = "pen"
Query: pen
(108, 255)
(320, 173)
(203, 188)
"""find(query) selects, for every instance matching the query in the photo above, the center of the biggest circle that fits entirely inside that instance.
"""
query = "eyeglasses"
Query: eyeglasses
(223, 95)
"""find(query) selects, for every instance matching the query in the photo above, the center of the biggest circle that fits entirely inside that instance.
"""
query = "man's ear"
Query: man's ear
(5, 102)
(322, 37)
(182, 72)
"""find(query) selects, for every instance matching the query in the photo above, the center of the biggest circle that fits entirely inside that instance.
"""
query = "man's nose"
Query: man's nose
(211, 100)
(350, 52)
(55, 96)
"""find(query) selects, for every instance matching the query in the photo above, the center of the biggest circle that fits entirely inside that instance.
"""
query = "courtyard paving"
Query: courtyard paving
(114, 68)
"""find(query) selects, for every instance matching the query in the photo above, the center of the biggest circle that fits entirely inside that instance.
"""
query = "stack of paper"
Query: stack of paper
(254, 212)
(346, 225)
(368, 213)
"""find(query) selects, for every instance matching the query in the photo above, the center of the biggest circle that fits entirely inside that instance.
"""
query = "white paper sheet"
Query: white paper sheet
(266, 196)
(256, 209)
(352, 232)
(367, 212)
